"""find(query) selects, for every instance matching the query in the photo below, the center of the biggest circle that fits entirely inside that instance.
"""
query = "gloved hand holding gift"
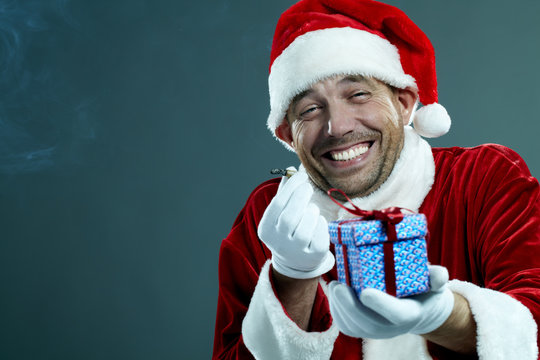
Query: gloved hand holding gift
(377, 315)
(386, 287)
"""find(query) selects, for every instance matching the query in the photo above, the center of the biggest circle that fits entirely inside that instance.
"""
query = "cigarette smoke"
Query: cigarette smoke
(33, 114)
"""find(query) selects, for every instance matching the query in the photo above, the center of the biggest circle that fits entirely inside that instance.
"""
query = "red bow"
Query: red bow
(390, 217)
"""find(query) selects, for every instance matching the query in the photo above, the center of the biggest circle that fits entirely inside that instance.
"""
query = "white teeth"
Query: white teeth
(349, 154)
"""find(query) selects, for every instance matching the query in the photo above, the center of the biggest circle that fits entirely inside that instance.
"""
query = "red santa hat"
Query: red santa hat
(317, 39)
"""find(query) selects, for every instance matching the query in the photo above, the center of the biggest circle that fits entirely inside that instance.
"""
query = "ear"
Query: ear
(284, 132)
(408, 99)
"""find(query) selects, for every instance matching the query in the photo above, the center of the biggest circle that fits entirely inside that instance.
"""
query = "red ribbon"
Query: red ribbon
(390, 217)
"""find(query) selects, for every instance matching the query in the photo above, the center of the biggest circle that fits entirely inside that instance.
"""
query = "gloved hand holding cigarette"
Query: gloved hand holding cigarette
(293, 229)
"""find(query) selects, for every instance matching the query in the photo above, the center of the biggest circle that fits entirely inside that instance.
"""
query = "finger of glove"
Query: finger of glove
(344, 322)
(307, 224)
(287, 185)
(352, 316)
(437, 308)
(438, 277)
(397, 311)
(321, 239)
(280, 200)
(295, 209)
(285, 179)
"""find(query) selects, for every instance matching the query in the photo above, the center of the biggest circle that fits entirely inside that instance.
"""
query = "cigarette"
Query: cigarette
(284, 172)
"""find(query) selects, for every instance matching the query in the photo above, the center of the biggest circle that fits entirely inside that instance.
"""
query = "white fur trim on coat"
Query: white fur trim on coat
(403, 347)
(320, 54)
(269, 333)
(505, 327)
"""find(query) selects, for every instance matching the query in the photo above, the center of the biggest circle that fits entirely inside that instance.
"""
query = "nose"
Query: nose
(341, 121)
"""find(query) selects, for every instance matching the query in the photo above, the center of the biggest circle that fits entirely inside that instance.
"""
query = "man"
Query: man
(345, 80)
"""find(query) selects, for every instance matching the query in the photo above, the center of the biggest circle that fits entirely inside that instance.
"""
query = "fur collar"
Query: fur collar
(406, 187)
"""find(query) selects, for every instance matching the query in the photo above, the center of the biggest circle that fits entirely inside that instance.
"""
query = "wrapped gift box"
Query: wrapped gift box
(365, 256)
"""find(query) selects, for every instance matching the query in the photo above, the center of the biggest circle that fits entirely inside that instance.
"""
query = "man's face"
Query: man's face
(347, 132)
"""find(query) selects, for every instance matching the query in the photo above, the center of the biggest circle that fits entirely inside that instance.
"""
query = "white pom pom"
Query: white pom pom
(431, 121)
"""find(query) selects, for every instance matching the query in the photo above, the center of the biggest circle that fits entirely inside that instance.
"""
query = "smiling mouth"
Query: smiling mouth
(349, 153)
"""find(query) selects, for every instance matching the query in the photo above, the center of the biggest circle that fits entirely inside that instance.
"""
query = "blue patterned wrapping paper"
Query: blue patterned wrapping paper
(363, 242)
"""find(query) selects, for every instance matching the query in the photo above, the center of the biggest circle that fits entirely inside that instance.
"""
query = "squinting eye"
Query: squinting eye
(308, 111)
(361, 93)
(360, 97)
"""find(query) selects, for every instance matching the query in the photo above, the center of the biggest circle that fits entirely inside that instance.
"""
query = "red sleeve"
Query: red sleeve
(484, 216)
(320, 320)
(241, 258)
(508, 228)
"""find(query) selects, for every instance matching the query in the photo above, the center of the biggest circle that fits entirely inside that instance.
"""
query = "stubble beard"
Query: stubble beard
(357, 182)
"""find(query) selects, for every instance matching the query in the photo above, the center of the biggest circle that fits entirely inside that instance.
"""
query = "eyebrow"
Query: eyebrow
(354, 78)
(297, 98)
(346, 79)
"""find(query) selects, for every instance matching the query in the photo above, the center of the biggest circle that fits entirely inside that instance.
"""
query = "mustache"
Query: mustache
(347, 139)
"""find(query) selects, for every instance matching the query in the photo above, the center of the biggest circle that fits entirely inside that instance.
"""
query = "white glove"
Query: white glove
(293, 229)
(379, 316)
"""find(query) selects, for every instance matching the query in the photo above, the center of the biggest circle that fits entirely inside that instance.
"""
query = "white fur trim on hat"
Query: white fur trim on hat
(320, 54)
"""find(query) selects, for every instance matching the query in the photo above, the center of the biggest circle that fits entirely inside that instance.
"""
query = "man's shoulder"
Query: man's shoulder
(265, 191)
(485, 154)
(491, 160)
(257, 201)
(456, 151)
(473, 175)
(243, 237)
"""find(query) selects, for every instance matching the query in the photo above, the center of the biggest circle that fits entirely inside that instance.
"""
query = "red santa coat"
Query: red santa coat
(483, 214)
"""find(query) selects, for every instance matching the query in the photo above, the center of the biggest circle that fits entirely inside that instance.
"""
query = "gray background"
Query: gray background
(131, 133)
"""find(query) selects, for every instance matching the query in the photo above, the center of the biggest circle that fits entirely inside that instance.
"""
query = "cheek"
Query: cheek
(303, 136)
(388, 111)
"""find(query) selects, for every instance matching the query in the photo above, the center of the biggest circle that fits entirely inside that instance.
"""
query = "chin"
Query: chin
(355, 183)
(353, 190)
(360, 184)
